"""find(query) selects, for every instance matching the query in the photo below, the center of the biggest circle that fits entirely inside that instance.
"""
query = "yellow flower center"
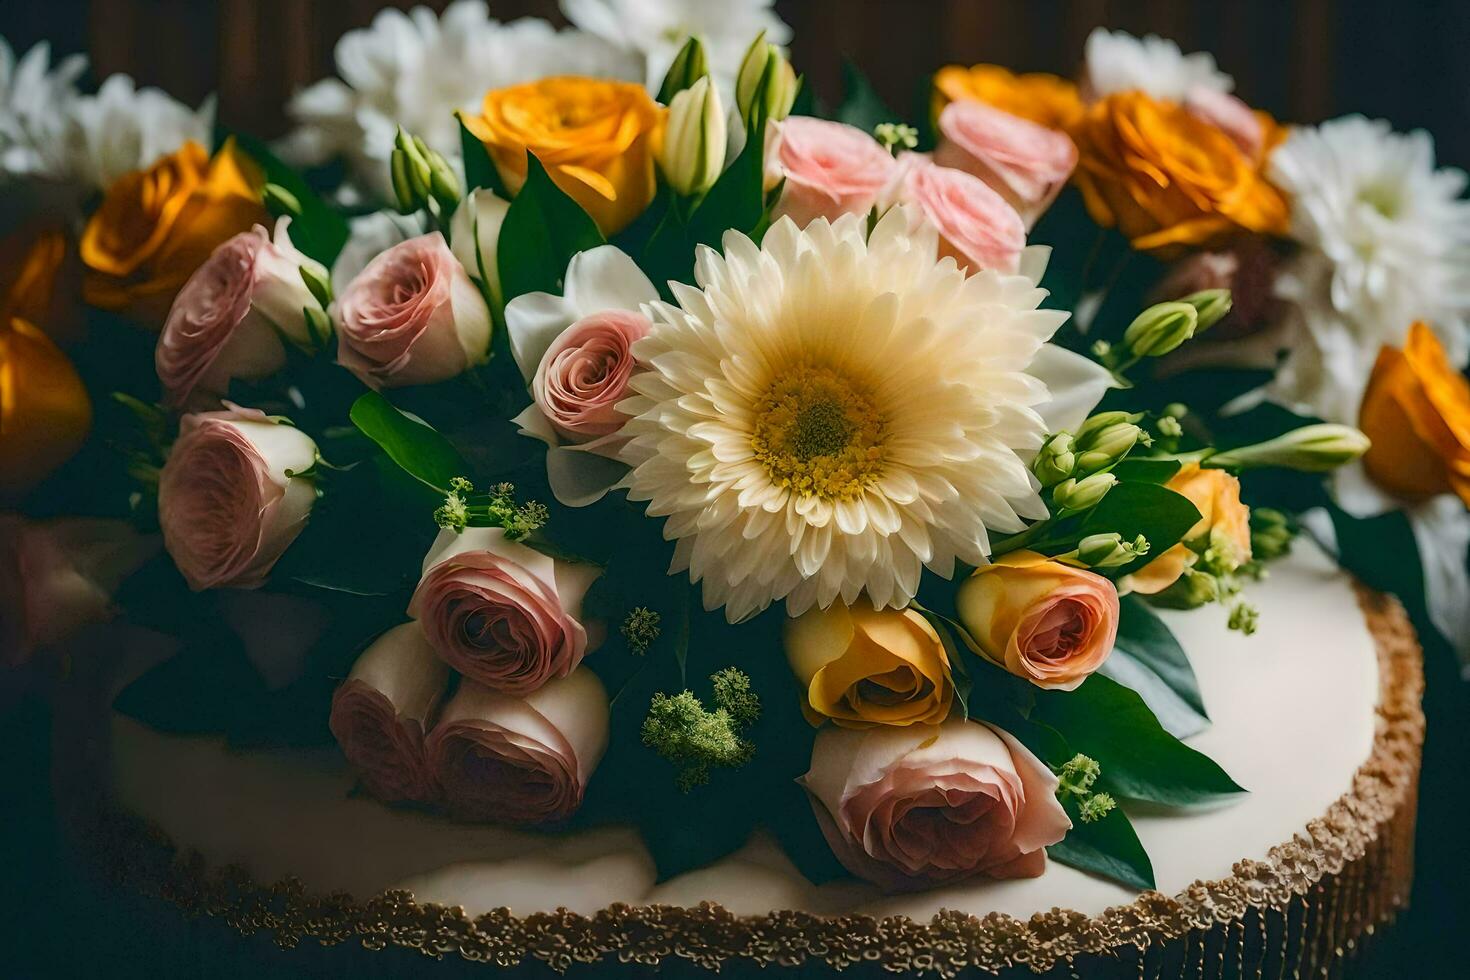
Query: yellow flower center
(819, 434)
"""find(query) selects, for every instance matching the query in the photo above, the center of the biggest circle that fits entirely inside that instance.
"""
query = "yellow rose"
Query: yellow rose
(1224, 524)
(595, 138)
(861, 666)
(31, 262)
(156, 226)
(1041, 620)
(1169, 179)
(44, 410)
(1417, 413)
(1044, 99)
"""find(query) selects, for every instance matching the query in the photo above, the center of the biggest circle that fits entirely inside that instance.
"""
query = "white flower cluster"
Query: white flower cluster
(1119, 62)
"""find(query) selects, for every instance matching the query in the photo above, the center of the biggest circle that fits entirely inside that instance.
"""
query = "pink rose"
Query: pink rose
(58, 576)
(412, 316)
(501, 613)
(381, 712)
(497, 757)
(831, 169)
(1023, 162)
(975, 224)
(906, 808)
(230, 319)
(584, 374)
(1230, 115)
(228, 503)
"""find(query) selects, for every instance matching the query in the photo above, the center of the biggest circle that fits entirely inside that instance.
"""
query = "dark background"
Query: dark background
(1303, 60)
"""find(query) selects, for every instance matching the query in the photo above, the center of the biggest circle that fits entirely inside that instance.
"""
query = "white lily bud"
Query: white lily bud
(474, 234)
(765, 89)
(1311, 449)
(690, 65)
(693, 151)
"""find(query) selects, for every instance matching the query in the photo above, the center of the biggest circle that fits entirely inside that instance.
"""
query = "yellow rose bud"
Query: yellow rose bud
(1224, 524)
(1041, 620)
(594, 137)
(156, 226)
(44, 410)
(861, 666)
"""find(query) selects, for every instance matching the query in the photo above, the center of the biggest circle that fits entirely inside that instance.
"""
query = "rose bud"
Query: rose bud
(501, 758)
(381, 712)
(1041, 620)
(475, 232)
(862, 667)
(234, 316)
(60, 575)
(231, 498)
(830, 169)
(412, 317)
(975, 224)
(1023, 162)
(501, 613)
(907, 808)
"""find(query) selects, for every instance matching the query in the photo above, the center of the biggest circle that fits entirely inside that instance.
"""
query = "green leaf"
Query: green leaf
(409, 442)
(479, 169)
(543, 229)
(1148, 659)
(1146, 470)
(1109, 847)
(1158, 513)
(736, 201)
(1140, 760)
(861, 105)
(319, 231)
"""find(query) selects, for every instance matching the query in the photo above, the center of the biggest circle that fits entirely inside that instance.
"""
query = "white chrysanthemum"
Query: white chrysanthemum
(1119, 62)
(416, 69)
(656, 29)
(34, 101)
(124, 128)
(828, 414)
(1385, 241)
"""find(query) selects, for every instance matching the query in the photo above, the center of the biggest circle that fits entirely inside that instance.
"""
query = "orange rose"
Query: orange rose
(1169, 179)
(595, 138)
(1045, 99)
(30, 263)
(1417, 412)
(1224, 525)
(156, 226)
(44, 410)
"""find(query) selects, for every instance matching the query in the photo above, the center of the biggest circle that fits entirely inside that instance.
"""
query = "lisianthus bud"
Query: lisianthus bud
(1106, 446)
(690, 65)
(1311, 449)
(693, 150)
(765, 89)
(419, 173)
(1102, 420)
(1190, 591)
(1074, 494)
(1271, 533)
(475, 237)
(1161, 328)
(1056, 461)
(1109, 550)
(1212, 305)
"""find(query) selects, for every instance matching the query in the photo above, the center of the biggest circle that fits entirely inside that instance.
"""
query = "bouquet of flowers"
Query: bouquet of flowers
(665, 441)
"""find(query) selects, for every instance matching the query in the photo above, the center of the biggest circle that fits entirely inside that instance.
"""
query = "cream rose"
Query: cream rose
(475, 233)
(906, 808)
(228, 502)
(1043, 621)
(501, 758)
(1024, 162)
(412, 317)
(975, 224)
(381, 711)
(501, 613)
(830, 169)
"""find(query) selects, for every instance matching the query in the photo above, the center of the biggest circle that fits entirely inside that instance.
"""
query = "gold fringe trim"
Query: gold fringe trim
(1301, 911)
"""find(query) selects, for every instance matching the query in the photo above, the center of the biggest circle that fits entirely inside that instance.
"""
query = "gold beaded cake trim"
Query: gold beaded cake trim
(1306, 905)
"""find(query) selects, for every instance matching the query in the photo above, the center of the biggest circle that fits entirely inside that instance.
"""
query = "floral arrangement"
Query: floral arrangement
(623, 436)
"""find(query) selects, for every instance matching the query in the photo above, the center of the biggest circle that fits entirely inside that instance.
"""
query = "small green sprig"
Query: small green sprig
(686, 733)
(463, 508)
(1074, 784)
(640, 629)
(896, 136)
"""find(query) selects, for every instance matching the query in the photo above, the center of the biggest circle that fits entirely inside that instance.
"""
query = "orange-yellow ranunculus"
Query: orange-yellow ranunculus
(595, 138)
(1224, 525)
(156, 226)
(1045, 99)
(861, 666)
(44, 410)
(1041, 620)
(1417, 412)
(1167, 178)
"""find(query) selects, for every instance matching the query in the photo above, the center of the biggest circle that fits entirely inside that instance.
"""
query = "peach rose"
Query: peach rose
(233, 316)
(1041, 620)
(1023, 162)
(412, 317)
(906, 808)
(501, 613)
(1416, 411)
(229, 503)
(1224, 524)
(585, 373)
(382, 710)
(501, 758)
(975, 224)
(45, 413)
(156, 226)
(1044, 99)
(830, 169)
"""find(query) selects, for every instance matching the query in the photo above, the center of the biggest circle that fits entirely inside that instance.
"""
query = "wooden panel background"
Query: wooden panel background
(1302, 59)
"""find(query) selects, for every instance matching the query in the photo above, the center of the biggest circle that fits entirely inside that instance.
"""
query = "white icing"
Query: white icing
(1293, 719)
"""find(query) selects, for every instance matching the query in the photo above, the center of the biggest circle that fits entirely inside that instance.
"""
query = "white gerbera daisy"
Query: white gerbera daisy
(34, 100)
(1385, 241)
(1116, 61)
(829, 413)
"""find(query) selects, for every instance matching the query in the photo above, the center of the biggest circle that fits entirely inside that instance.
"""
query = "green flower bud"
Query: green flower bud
(403, 193)
(690, 65)
(1056, 460)
(415, 164)
(1161, 328)
(1192, 590)
(766, 87)
(1106, 446)
(1271, 533)
(278, 200)
(1316, 448)
(1212, 305)
(443, 181)
(1074, 494)
(1109, 550)
(1103, 420)
(693, 150)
